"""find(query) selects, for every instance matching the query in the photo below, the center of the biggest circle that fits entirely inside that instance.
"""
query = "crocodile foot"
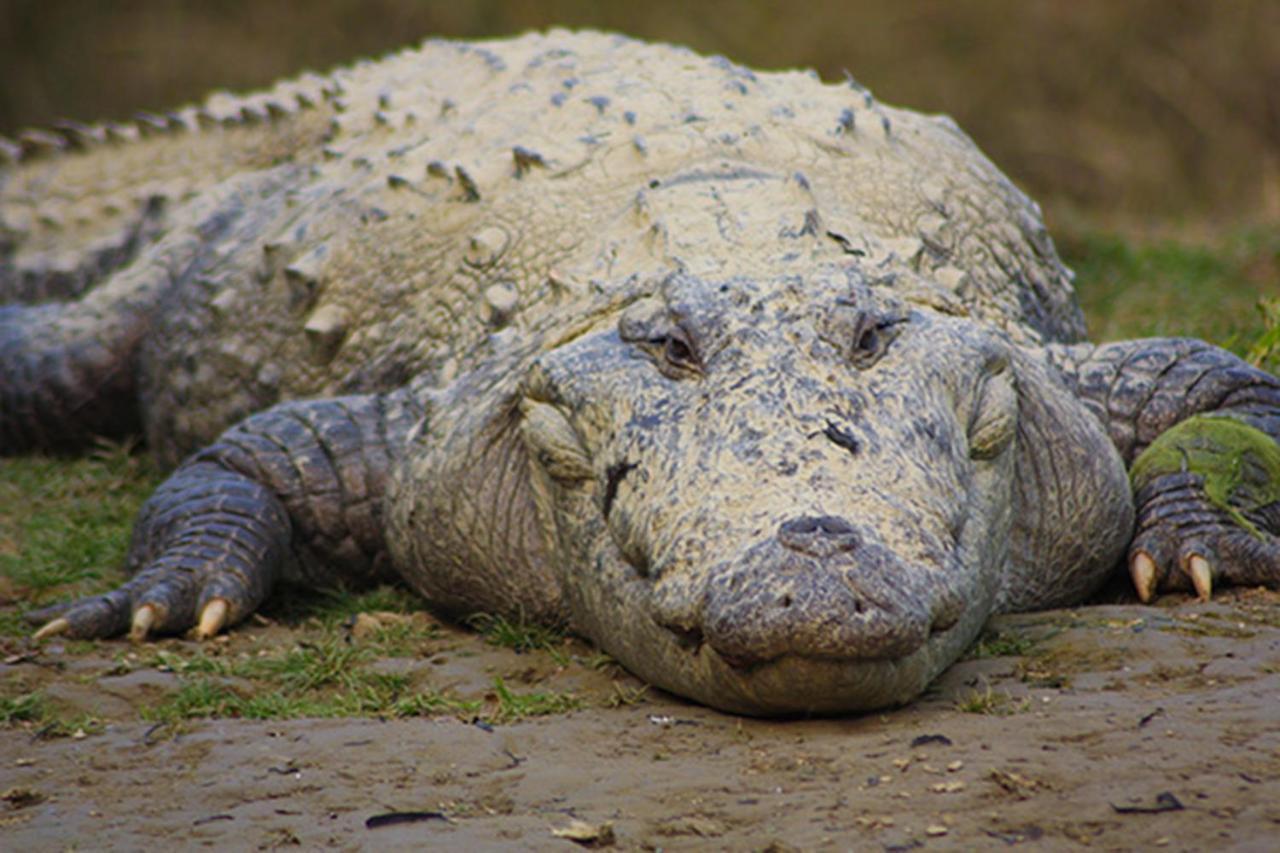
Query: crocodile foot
(1208, 498)
(208, 545)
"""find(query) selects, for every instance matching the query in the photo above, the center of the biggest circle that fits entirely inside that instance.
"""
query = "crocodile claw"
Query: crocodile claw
(52, 628)
(144, 619)
(212, 619)
(1142, 570)
(1201, 576)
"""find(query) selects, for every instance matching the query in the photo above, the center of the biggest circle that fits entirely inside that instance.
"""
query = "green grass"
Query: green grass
(990, 703)
(513, 706)
(1265, 349)
(65, 523)
(356, 693)
(33, 711)
(26, 708)
(1221, 289)
(311, 665)
(336, 606)
(364, 694)
(992, 643)
(305, 691)
(324, 677)
(519, 635)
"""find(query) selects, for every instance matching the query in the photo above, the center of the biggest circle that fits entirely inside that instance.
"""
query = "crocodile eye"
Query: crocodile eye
(678, 354)
(647, 324)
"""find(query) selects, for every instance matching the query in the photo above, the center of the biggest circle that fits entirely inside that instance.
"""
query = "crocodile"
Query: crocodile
(772, 391)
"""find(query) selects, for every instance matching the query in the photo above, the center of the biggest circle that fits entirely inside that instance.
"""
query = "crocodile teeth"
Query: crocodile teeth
(1201, 576)
(143, 620)
(1142, 569)
(52, 629)
(212, 618)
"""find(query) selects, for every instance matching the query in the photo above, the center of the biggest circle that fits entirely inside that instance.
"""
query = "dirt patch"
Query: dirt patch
(1154, 735)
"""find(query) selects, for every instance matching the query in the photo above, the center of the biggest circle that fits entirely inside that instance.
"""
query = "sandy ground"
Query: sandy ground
(1122, 727)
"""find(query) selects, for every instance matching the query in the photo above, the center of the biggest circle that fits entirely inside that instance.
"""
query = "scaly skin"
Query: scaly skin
(1140, 390)
(78, 202)
(294, 492)
(772, 391)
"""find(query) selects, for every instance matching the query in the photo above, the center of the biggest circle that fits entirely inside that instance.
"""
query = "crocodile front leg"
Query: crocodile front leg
(295, 491)
(1198, 429)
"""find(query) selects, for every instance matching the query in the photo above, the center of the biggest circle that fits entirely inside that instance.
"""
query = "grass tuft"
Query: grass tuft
(35, 712)
(990, 702)
(993, 643)
(519, 636)
(26, 708)
(1264, 351)
(511, 707)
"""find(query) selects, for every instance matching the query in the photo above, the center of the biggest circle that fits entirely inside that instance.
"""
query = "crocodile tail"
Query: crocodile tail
(69, 369)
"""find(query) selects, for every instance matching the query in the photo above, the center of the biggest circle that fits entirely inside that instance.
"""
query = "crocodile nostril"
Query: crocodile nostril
(819, 535)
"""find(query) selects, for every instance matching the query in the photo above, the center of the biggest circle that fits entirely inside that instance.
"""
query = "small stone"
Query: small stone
(935, 830)
(596, 835)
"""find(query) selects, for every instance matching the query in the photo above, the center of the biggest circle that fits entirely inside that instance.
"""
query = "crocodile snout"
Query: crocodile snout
(820, 588)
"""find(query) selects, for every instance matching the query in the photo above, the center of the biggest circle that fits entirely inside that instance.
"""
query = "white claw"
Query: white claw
(1201, 576)
(212, 618)
(143, 620)
(1142, 570)
(52, 629)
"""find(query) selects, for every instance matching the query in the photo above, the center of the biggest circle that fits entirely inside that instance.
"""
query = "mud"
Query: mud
(1114, 727)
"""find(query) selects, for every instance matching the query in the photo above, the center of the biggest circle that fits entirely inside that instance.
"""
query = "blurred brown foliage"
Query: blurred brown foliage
(1121, 111)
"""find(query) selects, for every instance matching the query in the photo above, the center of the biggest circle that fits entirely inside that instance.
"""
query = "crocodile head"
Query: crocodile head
(777, 496)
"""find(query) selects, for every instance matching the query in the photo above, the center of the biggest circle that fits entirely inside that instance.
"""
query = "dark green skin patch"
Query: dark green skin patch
(1240, 464)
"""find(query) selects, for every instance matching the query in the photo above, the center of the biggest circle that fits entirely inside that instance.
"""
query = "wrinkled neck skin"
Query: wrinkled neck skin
(773, 497)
